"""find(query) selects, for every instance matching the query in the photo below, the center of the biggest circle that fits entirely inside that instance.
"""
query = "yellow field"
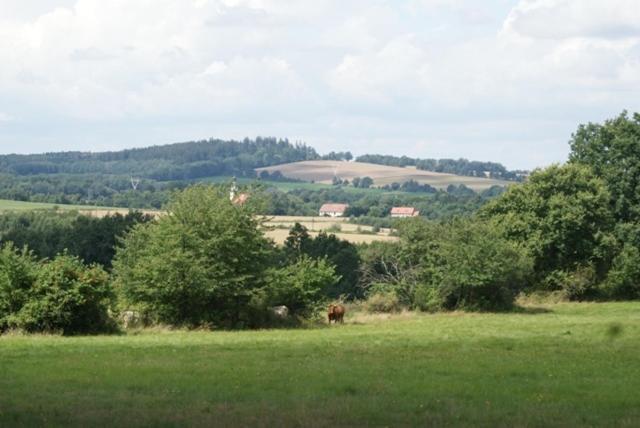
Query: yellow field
(324, 171)
(337, 226)
(280, 235)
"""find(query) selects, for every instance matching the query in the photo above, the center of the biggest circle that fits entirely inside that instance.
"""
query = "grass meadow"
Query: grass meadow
(7, 205)
(558, 365)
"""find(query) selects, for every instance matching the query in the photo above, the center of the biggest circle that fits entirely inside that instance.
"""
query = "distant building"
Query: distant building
(241, 199)
(403, 212)
(235, 197)
(333, 210)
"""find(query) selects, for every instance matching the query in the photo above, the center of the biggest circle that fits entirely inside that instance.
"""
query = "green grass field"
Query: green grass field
(6, 205)
(564, 365)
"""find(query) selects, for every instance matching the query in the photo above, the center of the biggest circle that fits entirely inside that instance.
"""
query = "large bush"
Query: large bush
(623, 280)
(18, 271)
(342, 254)
(62, 295)
(67, 297)
(462, 264)
(476, 267)
(200, 264)
(301, 286)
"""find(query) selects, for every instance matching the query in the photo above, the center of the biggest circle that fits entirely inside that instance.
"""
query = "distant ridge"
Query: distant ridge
(324, 171)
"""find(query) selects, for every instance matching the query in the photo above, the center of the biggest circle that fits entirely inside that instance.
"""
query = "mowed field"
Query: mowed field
(324, 171)
(562, 365)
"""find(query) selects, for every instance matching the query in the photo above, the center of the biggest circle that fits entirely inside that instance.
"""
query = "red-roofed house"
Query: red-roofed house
(241, 199)
(402, 212)
(333, 210)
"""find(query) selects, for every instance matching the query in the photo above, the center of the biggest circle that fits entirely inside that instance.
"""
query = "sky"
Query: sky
(493, 80)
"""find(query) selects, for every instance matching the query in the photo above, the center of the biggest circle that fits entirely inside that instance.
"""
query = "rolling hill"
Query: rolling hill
(323, 171)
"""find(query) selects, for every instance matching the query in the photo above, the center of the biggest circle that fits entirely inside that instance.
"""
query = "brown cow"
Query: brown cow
(336, 313)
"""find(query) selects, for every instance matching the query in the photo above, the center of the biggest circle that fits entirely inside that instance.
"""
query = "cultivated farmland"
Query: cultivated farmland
(321, 171)
(279, 225)
(552, 366)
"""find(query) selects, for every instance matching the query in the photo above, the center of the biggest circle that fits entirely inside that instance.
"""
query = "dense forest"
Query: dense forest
(450, 166)
(181, 161)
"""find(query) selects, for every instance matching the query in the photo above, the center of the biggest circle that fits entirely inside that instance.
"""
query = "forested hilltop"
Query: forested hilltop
(180, 161)
(215, 157)
(144, 178)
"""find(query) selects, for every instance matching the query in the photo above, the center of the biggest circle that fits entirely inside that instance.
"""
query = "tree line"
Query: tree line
(451, 166)
(180, 161)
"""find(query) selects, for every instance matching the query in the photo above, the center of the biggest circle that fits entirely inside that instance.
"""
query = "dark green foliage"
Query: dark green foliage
(562, 214)
(182, 161)
(341, 156)
(341, 254)
(48, 233)
(612, 150)
(18, 270)
(301, 286)
(62, 295)
(67, 297)
(451, 166)
(463, 264)
(623, 280)
(202, 263)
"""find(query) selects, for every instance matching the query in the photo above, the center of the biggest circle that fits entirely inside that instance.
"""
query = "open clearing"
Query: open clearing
(565, 365)
(324, 171)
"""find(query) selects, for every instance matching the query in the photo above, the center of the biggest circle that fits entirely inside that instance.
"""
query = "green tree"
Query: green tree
(562, 215)
(202, 263)
(366, 182)
(612, 150)
(341, 254)
(301, 285)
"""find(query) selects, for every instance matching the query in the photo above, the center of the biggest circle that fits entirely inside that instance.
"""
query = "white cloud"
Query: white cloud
(558, 19)
(467, 77)
(5, 117)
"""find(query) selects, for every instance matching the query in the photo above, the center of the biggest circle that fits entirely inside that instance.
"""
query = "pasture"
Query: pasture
(559, 365)
(7, 205)
(323, 172)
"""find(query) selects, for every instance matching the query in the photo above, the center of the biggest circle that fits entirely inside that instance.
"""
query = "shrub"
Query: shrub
(301, 285)
(17, 274)
(384, 302)
(428, 298)
(623, 280)
(469, 263)
(580, 284)
(67, 297)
